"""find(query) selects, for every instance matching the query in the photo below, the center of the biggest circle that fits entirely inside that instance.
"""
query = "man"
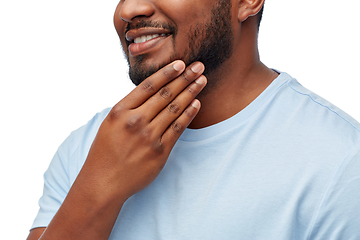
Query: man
(253, 155)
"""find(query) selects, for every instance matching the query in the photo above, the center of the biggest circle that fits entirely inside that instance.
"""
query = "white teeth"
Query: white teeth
(146, 38)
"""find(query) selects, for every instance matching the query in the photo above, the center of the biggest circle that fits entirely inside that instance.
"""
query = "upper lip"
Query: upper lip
(134, 33)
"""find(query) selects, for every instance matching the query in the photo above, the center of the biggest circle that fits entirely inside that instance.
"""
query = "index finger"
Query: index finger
(152, 84)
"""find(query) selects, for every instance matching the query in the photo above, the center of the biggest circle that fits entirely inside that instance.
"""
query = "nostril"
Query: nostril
(131, 10)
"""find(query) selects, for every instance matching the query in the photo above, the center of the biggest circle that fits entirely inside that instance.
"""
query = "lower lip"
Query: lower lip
(136, 49)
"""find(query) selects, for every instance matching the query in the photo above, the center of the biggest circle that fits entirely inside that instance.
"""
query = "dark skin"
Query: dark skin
(146, 124)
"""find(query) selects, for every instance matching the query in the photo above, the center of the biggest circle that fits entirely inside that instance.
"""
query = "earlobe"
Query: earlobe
(248, 8)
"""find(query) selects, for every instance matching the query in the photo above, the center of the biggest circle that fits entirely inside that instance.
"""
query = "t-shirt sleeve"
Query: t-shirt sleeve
(64, 167)
(338, 217)
(56, 186)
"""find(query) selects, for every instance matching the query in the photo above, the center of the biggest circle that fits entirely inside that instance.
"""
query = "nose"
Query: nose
(132, 9)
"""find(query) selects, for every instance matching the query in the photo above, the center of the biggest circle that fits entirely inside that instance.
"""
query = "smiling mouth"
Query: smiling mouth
(146, 38)
(143, 40)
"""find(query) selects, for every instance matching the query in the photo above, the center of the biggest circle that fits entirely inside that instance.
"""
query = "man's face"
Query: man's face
(155, 33)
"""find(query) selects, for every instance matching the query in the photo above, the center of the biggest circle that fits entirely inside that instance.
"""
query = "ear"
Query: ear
(248, 8)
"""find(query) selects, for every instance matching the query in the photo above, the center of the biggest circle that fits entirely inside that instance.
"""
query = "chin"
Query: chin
(145, 67)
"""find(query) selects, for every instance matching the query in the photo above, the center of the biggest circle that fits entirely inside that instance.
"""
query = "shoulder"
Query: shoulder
(64, 168)
(318, 115)
(327, 141)
(337, 216)
(315, 131)
(73, 151)
(89, 130)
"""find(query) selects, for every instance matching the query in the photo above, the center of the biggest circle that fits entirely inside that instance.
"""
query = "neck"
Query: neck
(237, 83)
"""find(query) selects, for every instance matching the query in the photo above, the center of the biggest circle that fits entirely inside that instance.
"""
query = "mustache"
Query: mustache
(153, 24)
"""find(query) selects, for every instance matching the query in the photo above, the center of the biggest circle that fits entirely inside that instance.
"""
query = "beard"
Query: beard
(210, 43)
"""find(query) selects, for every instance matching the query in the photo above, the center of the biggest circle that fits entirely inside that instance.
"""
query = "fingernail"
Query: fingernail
(200, 80)
(197, 67)
(196, 104)
(179, 66)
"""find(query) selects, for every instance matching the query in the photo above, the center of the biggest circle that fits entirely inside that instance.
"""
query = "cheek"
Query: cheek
(190, 32)
(185, 13)
(181, 41)
(189, 24)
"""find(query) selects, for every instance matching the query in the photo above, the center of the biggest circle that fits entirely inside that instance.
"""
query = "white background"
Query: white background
(61, 62)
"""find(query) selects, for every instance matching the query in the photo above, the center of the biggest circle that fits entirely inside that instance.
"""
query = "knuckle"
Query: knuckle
(190, 113)
(177, 127)
(168, 71)
(158, 147)
(192, 89)
(186, 76)
(116, 112)
(174, 108)
(148, 86)
(134, 123)
(165, 93)
(146, 135)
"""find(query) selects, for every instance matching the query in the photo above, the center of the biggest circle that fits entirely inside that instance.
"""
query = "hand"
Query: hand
(135, 140)
(129, 151)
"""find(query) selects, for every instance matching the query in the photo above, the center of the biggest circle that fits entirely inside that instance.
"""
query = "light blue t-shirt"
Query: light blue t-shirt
(286, 167)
